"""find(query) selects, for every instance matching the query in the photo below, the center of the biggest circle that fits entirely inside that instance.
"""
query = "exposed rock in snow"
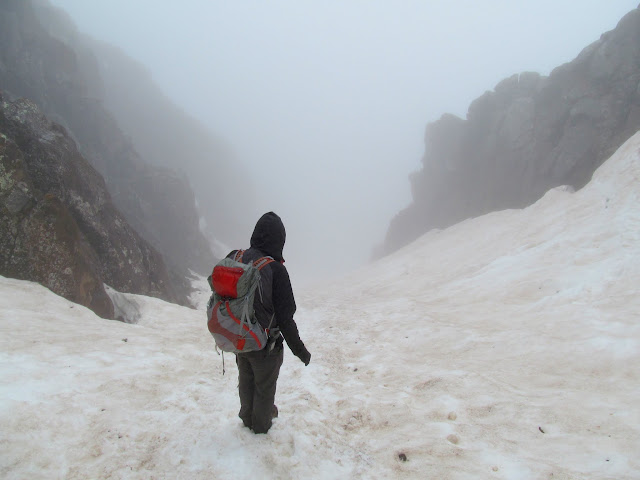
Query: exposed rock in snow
(59, 226)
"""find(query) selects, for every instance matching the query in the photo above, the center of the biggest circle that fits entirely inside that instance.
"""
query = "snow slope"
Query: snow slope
(505, 347)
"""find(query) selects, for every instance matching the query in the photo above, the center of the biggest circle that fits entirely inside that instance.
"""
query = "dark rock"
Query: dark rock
(59, 226)
(529, 135)
(63, 78)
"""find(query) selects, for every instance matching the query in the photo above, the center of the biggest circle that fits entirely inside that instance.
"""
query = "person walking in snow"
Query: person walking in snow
(258, 371)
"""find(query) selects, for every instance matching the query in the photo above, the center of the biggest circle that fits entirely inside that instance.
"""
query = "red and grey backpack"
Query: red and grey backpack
(231, 314)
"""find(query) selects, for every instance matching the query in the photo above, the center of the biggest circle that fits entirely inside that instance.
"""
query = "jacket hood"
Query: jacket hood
(269, 236)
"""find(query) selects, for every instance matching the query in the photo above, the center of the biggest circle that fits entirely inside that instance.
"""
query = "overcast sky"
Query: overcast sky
(330, 99)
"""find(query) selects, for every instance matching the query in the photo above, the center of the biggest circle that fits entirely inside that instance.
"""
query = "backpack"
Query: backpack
(230, 312)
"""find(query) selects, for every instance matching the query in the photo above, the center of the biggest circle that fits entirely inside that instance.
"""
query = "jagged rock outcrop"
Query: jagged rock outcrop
(58, 225)
(157, 202)
(531, 134)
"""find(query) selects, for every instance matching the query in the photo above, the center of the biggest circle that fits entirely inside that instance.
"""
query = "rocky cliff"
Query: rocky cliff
(161, 132)
(157, 202)
(528, 135)
(58, 225)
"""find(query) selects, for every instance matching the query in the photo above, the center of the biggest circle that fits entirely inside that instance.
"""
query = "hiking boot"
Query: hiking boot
(274, 412)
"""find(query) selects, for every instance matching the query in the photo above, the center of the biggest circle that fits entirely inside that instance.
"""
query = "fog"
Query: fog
(326, 102)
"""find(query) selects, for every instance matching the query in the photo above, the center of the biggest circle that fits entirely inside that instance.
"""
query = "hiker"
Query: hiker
(258, 370)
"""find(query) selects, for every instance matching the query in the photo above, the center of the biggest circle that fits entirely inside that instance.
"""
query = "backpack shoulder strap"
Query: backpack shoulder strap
(262, 262)
(238, 256)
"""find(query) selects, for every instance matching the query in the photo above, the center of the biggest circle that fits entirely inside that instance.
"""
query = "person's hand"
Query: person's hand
(306, 359)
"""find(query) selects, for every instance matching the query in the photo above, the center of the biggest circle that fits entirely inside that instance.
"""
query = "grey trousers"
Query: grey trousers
(257, 377)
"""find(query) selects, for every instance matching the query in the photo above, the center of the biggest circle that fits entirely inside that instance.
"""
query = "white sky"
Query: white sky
(505, 347)
(332, 98)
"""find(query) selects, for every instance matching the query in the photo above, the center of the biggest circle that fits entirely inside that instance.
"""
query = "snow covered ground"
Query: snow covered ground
(505, 347)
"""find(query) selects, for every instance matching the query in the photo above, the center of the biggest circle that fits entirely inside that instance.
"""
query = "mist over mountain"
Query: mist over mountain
(160, 131)
(528, 135)
(149, 152)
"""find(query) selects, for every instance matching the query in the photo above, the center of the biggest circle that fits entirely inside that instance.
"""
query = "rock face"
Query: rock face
(531, 134)
(160, 132)
(58, 224)
(158, 202)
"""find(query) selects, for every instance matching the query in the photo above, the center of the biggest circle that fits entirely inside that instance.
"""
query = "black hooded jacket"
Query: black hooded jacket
(268, 239)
